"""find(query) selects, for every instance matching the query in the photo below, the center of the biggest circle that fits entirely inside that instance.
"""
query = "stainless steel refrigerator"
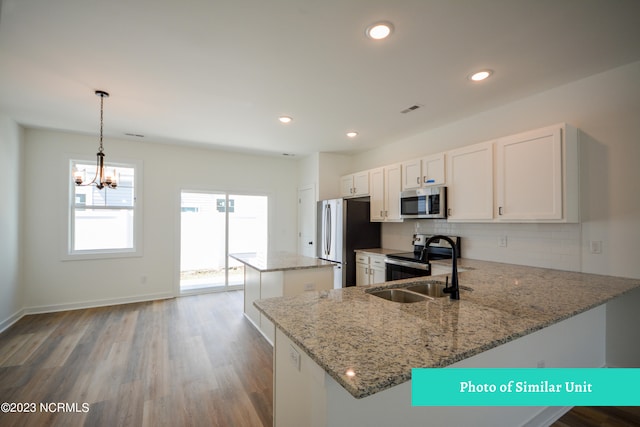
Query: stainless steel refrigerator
(344, 226)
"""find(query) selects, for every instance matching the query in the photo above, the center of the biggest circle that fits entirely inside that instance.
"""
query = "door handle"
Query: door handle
(329, 228)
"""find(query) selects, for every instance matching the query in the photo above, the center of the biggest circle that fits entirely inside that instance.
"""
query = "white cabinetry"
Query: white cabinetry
(355, 185)
(385, 185)
(530, 183)
(470, 183)
(269, 284)
(424, 172)
(370, 269)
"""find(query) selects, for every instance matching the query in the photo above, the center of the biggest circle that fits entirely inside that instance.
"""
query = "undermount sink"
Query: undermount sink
(399, 295)
(431, 289)
(412, 293)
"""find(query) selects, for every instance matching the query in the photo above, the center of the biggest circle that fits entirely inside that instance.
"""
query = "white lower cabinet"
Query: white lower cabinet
(370, 269)
(269, 284)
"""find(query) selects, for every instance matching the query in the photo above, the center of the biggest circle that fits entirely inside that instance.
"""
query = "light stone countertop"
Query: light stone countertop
(348, 329)
(380, 251)
(279, 261)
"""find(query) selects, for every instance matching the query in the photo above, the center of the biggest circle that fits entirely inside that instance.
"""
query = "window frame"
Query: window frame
(69, 253)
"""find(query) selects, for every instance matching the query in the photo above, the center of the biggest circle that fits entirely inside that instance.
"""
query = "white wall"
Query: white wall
(50, 283)
(322, 170)
(11, 302)
(605, 108)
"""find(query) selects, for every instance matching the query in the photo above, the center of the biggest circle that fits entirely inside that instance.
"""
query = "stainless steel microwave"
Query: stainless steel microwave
(428, 202)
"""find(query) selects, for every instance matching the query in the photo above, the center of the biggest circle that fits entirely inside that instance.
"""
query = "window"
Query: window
(105, 223)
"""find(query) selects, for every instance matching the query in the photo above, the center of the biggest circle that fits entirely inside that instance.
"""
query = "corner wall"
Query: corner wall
(53, 284)
(11, 295)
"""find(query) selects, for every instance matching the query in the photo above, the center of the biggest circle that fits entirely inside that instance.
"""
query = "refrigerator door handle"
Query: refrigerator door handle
(329, 230)
(324, 240)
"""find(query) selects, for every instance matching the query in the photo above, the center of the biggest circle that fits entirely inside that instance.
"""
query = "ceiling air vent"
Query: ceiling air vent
(410, 109)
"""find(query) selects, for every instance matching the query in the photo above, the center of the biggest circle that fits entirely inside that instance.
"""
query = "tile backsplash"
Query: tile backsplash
(540, 245)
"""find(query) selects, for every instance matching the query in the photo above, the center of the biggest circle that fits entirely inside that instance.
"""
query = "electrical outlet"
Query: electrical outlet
(502, 241)
(541, 364)
(294, 357)
(595, 246)
(309, 286)
(143, 280)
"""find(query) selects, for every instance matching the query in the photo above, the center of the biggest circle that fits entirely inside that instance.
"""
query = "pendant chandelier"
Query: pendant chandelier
(101, 179)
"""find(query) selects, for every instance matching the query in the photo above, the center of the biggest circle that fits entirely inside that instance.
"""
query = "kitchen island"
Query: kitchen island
(353, 352)
(274, 274)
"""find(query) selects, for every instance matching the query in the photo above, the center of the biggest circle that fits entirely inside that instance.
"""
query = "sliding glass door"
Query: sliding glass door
(213, 225)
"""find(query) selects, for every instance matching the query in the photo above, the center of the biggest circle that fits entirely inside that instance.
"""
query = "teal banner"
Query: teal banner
(525, 387)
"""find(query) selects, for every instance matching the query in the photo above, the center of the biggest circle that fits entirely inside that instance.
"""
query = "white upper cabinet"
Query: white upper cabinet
(411, 174)
(470, 183)
(424, 172)
(355, 185)
(376, 190)
(433, 170)
(537, 176)
(385, 187)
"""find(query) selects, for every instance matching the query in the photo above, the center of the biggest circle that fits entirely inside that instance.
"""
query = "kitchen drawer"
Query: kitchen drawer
(377, 261)
(362, 258)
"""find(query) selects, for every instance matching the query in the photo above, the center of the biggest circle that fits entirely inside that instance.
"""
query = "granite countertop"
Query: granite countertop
(279, 261)
(379, 340)
(380, 251)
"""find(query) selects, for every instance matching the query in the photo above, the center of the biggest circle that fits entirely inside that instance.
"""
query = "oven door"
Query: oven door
(398, 269)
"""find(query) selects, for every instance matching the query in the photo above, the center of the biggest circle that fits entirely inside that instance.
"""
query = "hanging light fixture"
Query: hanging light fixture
(100, 180)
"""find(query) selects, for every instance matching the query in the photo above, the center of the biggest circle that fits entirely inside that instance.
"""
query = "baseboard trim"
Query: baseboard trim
(96, 303)
(6, 323)
(258, 328)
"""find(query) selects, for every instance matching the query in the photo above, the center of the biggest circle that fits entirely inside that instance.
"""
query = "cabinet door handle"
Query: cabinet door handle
(449, 211)
(500, 210)
(417, 180)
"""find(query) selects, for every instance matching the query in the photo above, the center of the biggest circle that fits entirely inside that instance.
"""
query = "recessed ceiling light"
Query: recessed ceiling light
(480, 75)
(285, 119)
(352, 134)
(379, 30)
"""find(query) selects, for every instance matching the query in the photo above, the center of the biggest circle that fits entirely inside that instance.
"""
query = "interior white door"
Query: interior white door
(307, 221)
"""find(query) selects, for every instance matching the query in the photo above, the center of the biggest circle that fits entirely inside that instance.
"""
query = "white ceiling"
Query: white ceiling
(219, 73)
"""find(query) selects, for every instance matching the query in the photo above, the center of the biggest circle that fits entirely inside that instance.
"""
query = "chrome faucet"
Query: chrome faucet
(453, 290)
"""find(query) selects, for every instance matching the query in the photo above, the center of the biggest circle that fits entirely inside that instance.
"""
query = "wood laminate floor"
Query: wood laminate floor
(191, 361)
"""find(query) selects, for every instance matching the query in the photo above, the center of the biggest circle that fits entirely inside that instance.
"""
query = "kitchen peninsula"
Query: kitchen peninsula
(344, 357)
(274, 274)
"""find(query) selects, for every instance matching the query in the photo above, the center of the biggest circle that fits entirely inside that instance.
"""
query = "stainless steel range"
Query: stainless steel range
(416, 264)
